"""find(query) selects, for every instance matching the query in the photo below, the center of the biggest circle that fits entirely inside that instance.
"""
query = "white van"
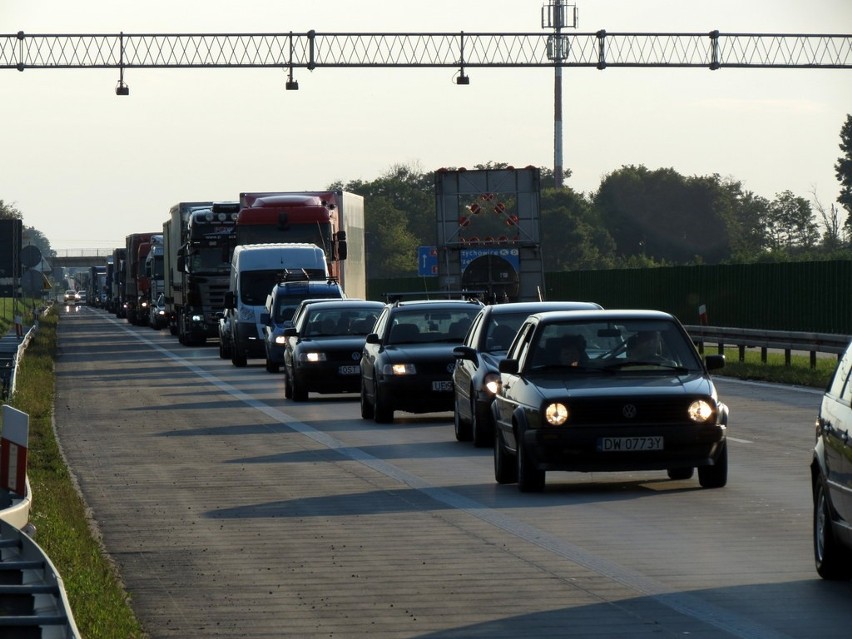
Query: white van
(255, 270)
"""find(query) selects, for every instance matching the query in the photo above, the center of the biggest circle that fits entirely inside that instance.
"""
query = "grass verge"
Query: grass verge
(98, 600)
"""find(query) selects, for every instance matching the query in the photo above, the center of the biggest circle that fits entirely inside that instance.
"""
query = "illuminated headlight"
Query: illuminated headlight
(399, 369)
(280, 340)
(197, 318)
(556, 414)
(144, 304)
(492, 383)
(700, 411)
(161, 312)
(311, 357)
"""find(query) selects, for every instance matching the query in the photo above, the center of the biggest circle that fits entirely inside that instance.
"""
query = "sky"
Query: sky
(86, 167)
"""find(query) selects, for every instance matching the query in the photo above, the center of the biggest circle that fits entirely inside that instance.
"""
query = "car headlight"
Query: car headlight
(399, 369)
(556, 414)
(492, 383)
(280, 340)
(312, 357)
(700, 411)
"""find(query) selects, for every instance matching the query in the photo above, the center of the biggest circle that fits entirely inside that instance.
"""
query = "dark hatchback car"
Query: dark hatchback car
(476, 378)
(323, 350)
(408, 359)
(831, 476)
(607, 391)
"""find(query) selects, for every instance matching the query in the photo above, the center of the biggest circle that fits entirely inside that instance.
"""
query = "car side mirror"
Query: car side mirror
(508, 366)
(373, 338)
(290, 331)
(714, 362)
(464, 352)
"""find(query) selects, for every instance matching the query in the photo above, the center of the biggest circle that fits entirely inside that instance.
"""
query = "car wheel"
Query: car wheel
(833, 561)
(366, 406)
(223, 354)
(272, 367)
(238, 358)
(481, 427)
(530, 478)
(288, 387)
(382, 412)
(462, 428)
(505, 467)
(681, 473)
(715, 476)
(298, 390)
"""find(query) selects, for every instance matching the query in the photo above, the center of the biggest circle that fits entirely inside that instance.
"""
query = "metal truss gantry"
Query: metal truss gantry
(314, 50)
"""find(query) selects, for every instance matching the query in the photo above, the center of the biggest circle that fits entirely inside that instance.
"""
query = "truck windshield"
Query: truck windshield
(213, 259)
(319, 234)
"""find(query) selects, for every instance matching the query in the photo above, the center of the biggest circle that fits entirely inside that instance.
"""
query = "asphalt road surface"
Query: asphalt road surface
(232, 512)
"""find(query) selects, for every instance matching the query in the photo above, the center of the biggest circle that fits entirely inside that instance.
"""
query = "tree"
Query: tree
(790, 223)
(843, 169)
(572, 235)
(9, 212)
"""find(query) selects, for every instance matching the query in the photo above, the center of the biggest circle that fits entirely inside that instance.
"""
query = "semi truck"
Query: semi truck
(203, 266)
(117, 284)
(255, 270)
(332, 220)
(174, 237)
(154, 275)
(137, 246)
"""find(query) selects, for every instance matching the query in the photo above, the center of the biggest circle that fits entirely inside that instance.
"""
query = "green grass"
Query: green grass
(100, 603)
(98, 600)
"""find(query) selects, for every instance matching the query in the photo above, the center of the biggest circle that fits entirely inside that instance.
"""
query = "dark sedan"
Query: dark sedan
(607, 391)
(322, 352)
(476, 378)
(408, 358)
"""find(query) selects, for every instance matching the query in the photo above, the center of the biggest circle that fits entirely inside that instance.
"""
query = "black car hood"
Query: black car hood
(588, 385)
(437, 351)
(337, 342)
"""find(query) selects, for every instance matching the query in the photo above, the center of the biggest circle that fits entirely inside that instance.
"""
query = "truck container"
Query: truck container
(135, 282)
(255, 270)
(332, 220)
(154, 275)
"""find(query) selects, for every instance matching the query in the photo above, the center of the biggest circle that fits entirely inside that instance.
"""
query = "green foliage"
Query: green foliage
(98, 601)
(843, 169)
(774, 370)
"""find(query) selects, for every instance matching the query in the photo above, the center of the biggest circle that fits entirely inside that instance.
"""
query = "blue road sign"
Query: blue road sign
(427, 261)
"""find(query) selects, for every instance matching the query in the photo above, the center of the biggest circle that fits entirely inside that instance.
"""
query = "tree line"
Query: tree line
(637, 218)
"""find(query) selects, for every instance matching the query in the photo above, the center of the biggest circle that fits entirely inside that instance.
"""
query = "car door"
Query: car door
(372, 347)
(465, 370)
(511, 390)
(835, 423)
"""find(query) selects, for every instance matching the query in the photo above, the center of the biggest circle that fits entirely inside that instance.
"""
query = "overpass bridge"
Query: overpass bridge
(80, 258)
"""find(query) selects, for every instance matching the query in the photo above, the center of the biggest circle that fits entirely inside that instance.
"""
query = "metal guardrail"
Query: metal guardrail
(787, 341)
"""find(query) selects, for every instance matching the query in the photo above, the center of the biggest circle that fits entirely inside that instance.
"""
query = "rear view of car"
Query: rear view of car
(831, 476)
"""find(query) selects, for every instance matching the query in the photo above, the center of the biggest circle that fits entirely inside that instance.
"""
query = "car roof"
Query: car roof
(539, 307)
(602, 315)
(345, 302)
(438, 303)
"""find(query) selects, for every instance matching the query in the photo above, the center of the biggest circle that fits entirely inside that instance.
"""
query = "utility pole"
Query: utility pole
(558, 15)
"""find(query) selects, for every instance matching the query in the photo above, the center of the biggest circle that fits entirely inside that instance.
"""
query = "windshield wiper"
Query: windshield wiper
(639, 363)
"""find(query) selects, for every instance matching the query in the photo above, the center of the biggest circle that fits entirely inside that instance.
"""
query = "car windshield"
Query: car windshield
(629, 345)
(501, 331)
(338, 322)
(422, 326)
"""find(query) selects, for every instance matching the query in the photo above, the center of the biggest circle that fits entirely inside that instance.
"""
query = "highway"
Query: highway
(232, 512)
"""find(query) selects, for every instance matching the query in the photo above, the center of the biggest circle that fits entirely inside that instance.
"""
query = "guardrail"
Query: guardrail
(787, 341)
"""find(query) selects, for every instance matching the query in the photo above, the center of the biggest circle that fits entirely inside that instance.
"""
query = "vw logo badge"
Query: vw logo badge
(450, 367)
(356, 356)
(629, 411)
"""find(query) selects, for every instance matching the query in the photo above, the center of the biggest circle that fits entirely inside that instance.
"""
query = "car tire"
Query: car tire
(288, 387)
(833, 561)
(715, 476)
(505, 466)
(382, 411)
(298, 390)
(366, 406)
(238, 358)
(272, 367)
(462, 428)
(223, 354)
(681, 473)
(530, 478)
(481, 428)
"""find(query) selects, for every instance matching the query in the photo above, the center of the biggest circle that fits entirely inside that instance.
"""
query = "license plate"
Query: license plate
(629, 444)
(349, 370)
(443, 386)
